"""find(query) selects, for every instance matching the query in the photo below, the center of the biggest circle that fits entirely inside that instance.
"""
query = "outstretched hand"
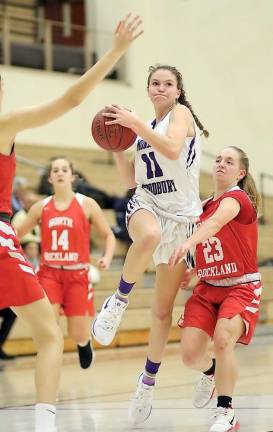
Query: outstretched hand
(120, 115)
(178, 255)
(126, 32)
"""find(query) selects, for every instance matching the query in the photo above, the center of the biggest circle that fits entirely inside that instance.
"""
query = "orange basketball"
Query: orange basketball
(114, 137)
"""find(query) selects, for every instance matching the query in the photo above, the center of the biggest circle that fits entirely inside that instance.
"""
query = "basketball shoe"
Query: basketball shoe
(106, 323)
(140, 406)
(204, 391)
(86, 355)
(225, 420)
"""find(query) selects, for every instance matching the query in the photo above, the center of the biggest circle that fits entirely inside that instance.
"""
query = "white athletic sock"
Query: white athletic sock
(45, 417)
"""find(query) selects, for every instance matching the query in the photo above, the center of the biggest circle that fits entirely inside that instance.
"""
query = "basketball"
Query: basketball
(113, 137)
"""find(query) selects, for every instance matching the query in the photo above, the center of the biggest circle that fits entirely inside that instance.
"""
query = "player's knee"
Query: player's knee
(221, 340)
(50, 335)
(190, 355)
(162, 314)
(150, 240)
(55, 336)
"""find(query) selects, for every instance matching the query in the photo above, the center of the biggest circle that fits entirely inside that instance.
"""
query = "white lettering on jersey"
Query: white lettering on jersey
(61, 256)
(61, 241)
(60, 220)
(210, 255)
(222, 270)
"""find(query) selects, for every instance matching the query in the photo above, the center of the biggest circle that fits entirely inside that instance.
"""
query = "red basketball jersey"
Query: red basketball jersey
(231, 252)
(65, 234)
(8, 165)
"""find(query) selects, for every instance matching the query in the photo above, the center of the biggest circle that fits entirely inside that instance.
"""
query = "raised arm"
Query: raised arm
(227, 210)
(32, 219)
(25, 118)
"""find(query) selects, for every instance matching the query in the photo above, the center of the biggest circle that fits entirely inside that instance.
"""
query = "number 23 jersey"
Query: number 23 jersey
(231, 252)
(65, 233)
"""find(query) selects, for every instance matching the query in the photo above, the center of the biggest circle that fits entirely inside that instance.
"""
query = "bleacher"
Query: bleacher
(22, 21)
(98, 167)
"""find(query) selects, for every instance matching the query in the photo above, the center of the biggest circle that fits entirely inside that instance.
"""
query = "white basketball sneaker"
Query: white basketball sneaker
(105, 325)
(225, 421)
(204, 391)
(140, 406)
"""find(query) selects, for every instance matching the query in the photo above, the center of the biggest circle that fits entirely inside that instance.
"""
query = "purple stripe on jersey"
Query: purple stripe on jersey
(193, 157)
(191, 148)
(191, 153)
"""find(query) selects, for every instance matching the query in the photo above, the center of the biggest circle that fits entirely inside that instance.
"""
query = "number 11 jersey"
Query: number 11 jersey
(171, 185)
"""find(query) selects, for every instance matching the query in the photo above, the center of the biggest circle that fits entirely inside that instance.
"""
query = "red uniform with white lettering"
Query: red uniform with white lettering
(65, 254)
(65, 234)
(227, 268)
(233, 250)
(19, 285)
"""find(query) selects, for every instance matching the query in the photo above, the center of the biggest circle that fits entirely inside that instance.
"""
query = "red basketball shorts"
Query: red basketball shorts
(69, 288)
(19, 285)
(209, 303)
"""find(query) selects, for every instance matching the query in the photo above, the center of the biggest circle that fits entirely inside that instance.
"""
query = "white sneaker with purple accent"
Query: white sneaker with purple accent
(106, 323)
(140, 406)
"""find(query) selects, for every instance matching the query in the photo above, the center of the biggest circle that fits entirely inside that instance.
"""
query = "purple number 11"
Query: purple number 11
(153, 168)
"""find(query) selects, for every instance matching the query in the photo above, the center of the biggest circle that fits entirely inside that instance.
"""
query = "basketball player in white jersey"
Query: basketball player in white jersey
(162, 213)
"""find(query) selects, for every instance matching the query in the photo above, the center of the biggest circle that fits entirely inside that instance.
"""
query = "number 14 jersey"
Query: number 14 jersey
(65, 233)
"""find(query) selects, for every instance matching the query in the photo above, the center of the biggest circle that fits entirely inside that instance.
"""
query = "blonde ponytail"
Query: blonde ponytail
(248, 183)
(249, 186)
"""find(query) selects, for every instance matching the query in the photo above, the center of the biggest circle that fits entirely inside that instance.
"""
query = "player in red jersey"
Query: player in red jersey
(19, 287)
(224, 306)
(65, 219)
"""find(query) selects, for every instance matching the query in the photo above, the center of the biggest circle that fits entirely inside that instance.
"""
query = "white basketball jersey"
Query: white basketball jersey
(171, 185)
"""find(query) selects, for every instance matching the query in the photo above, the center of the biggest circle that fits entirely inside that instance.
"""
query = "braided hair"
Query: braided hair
(182, 98)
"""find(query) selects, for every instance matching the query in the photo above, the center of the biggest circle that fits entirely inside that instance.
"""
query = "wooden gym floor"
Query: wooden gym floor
(97, 399)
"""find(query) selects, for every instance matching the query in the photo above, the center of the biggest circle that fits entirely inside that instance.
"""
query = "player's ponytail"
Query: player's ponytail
(247, 183)
(182, 98)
